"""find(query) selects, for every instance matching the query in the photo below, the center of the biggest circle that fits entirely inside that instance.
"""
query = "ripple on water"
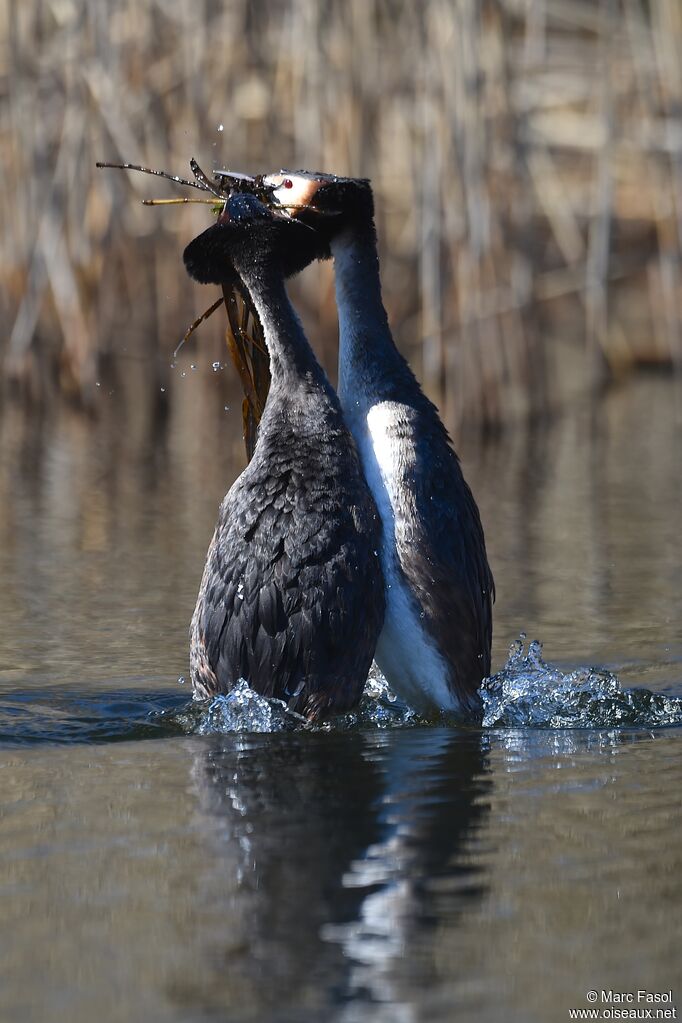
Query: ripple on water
(61, 715)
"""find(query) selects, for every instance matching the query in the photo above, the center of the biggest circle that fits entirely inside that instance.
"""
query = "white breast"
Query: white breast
(406, 653)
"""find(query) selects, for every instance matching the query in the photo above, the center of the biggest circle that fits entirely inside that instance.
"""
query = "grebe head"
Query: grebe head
(326, 202)
(250, 235)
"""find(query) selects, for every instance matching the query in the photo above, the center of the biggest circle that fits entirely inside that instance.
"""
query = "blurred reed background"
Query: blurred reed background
(526, 157)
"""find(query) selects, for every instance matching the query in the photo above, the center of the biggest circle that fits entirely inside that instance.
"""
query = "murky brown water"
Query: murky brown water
(422, 874)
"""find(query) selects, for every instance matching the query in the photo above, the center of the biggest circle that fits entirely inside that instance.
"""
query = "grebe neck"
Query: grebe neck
(369, 363)
(291, 358)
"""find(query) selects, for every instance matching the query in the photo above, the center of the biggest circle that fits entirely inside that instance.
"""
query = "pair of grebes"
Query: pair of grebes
(351, 534)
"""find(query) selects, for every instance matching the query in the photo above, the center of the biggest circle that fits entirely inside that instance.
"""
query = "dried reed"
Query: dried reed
(526, 157)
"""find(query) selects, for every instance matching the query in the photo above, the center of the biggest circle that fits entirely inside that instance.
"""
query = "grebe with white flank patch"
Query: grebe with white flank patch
(435, 645)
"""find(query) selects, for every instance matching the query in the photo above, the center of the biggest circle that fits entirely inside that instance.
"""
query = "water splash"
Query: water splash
(526, 693)
(378, 708)
(244, 710)
(530, 693)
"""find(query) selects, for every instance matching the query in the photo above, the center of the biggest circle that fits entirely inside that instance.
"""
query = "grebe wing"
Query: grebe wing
(282, 602)
(446, 562)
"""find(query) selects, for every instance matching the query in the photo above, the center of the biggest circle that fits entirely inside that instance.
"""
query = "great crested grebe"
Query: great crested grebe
(292, 596)
(435, 645)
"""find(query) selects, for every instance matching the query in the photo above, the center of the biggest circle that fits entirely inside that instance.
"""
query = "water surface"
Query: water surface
(423, 873)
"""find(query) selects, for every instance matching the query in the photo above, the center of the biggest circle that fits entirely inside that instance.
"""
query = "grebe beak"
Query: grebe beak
(244, 182)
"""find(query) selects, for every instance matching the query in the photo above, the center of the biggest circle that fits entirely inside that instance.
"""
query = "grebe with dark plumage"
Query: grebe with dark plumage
(292, 597)
(435, 645)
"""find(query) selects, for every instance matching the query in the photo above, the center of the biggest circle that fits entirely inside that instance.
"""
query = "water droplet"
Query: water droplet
(192, 365)
(216, 367)
(97, 383)
(535, 653)
(163, 390)
(183, 374)
(515, 649)
(173, 365)
(221, 127)
(226, 408)
(181, 679)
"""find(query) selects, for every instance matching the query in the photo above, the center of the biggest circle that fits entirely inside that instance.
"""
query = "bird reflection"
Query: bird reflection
(339, 857)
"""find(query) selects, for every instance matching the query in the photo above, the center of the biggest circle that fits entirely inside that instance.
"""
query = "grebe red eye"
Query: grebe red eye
(287, 183)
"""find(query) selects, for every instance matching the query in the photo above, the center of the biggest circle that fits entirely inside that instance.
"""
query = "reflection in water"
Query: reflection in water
(416, 875)
(521, 744)
(355, 839)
